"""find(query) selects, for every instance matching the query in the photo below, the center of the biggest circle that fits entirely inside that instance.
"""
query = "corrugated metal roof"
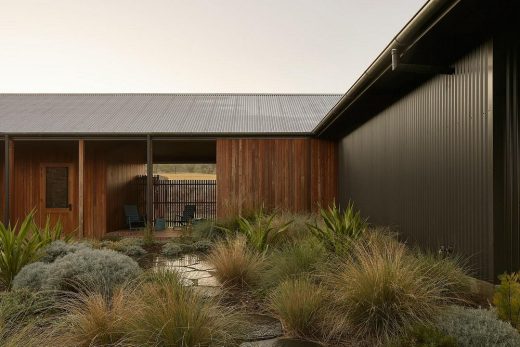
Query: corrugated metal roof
(162, 113)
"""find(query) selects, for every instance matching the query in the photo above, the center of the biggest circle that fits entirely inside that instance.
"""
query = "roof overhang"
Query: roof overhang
(440, 33)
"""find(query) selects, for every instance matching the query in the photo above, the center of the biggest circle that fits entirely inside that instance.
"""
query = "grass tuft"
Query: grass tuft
(236, 265)
(299, 304)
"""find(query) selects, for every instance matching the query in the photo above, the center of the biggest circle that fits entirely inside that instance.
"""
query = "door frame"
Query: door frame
(70, 190)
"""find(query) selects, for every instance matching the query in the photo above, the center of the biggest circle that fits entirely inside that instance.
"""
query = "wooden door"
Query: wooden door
(57, 200)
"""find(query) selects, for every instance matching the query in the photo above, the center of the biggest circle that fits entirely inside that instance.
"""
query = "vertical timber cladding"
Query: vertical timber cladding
(2, 191)
(424, 165)
(110, 170)
(293, 174)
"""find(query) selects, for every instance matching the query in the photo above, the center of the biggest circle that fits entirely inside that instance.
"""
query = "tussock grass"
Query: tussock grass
(382, 288)
(299, 304)
(168, 314)
(236, 265)
(95, 319)
(293, 260)
(29, 335)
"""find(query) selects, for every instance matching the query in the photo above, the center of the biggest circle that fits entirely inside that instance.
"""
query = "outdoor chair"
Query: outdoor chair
(134, 220)
(188, 214)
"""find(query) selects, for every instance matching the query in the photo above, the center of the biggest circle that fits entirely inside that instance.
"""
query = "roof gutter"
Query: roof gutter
(420, 24)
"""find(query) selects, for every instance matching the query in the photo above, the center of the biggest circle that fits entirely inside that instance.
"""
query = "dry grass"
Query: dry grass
(156, 310)
(236, 266)
(168, 314)
(381, 289)
(299, 304)
(93, 319)
(30, 335)
(293, 260)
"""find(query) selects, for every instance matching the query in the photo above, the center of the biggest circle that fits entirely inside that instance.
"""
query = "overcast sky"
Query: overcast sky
(300, 46)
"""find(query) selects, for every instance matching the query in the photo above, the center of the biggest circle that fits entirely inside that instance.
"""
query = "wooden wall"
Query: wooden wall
(292, 174)
(110, 168)
(26, 193)
(1, 181)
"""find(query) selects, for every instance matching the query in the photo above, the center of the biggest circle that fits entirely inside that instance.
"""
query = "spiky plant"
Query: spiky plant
(339, 228)
(260, 231)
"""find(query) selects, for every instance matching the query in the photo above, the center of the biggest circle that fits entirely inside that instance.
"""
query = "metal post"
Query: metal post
(149, 180)
(7, 182)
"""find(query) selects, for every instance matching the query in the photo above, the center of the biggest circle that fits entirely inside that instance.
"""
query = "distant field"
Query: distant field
(188, 176)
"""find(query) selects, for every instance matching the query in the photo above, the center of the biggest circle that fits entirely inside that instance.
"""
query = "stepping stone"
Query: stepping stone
(261, 327)
(203, 266)
(208, 282)
(195, 275)
(281, 342)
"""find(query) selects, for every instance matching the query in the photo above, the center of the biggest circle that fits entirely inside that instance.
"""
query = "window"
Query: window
(57, 187)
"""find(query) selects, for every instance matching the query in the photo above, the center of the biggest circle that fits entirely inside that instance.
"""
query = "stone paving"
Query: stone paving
(264, 331)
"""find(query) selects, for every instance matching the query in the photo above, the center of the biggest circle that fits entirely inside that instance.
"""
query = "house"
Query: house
(428, 137)
(426, 141)
(76, 157)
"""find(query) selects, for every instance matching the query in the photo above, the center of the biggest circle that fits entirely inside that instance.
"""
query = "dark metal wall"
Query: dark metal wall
(507, 154)
(424, 165)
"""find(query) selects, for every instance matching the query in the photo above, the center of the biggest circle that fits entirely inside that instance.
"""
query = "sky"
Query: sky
(193, 46)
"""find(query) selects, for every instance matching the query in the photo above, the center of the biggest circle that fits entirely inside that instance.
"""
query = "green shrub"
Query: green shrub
(171, 249)
(99, 270)
(337, 229)
(131, 246)
(202, 246)
(187, 247)
(507, 299)
(208, 230)
(49, 233)
(293, 260)
(259, 231)
(133, 250)
(477, 328)
(20, 246)
(380, 291)
(236, 265)
(424, 336)
(296, 223)
(299, 304)
(168, 314)
(59, 248)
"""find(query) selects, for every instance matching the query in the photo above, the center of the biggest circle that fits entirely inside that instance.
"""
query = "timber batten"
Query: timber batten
(293, 174)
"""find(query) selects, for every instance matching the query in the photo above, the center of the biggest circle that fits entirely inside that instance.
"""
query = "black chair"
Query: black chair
(188, 214)
(134, 220)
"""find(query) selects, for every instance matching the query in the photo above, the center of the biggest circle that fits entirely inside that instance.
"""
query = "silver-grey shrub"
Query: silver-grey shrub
(477, 328)
(59, 248)
(99, 270)
(32, 276)
(203, 245)
(171, 249)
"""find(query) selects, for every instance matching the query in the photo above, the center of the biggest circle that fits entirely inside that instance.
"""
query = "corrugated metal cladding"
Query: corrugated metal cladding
(162, 113)
(509, 251)
(424, 164)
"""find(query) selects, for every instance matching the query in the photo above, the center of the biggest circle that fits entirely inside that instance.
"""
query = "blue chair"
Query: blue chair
(134, 220)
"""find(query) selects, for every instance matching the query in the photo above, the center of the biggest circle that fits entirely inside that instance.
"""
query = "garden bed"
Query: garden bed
(263, 280)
